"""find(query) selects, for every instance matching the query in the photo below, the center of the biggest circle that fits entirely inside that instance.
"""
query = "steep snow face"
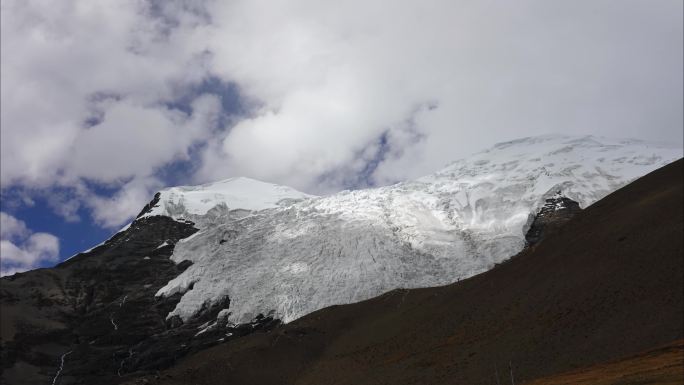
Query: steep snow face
(295, 257)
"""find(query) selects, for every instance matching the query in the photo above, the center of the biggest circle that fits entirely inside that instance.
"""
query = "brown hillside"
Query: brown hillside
(662, 366)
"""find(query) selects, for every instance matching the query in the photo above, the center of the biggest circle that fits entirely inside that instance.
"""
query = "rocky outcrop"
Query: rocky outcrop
(556, 211)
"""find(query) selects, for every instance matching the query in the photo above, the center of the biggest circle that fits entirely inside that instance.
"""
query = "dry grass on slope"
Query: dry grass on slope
(663, 366)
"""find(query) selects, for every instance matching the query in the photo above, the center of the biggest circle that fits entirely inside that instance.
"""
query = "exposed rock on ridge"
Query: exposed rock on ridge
(556, 211)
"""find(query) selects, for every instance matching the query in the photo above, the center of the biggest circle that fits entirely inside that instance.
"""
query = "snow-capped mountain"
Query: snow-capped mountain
(273, 250)
(200, 264)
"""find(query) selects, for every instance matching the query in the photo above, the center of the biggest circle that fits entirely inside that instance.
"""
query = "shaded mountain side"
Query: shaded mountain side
(96, 315)
(662, 366)
(606, 285)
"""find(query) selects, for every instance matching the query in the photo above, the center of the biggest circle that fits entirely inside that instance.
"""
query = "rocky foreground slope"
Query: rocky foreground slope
(605, 285)
(204, 265)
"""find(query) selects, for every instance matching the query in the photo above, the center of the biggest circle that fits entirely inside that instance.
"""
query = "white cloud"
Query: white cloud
(12, 228)
(64, 205)
(132, 140)
(86, 87)
(22, 250)
(332, 78)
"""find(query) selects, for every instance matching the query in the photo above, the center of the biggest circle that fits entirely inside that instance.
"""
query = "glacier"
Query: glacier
(276, 251)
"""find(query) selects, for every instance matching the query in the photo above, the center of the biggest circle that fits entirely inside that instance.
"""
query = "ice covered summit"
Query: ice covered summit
(271, 250)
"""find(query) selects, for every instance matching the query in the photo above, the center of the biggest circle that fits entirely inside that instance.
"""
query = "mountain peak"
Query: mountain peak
(239, 193)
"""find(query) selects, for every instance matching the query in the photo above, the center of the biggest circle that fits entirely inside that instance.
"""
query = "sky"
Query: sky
(105, 102)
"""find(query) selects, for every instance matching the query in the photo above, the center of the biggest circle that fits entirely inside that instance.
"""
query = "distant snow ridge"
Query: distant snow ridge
(274, 250)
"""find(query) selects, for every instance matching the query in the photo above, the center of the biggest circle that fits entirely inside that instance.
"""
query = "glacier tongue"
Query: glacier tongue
(291, 257)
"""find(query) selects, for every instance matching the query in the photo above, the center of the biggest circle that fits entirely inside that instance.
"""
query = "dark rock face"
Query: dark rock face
(96, 315)
(555, 212)
(148, 207)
